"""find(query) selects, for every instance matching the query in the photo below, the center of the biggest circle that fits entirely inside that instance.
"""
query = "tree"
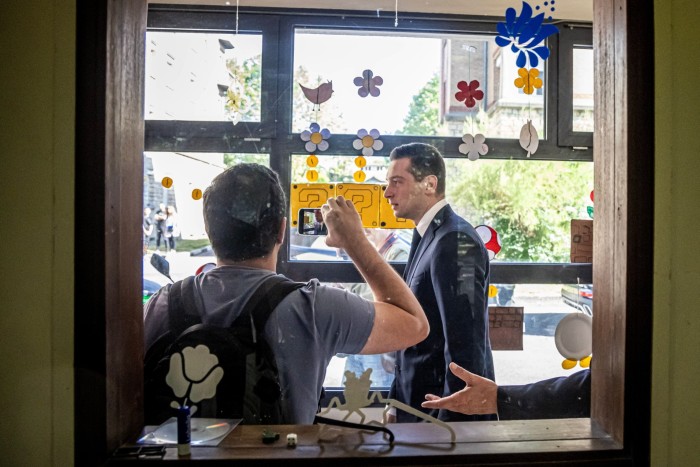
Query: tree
(529, 203)
(423, 116)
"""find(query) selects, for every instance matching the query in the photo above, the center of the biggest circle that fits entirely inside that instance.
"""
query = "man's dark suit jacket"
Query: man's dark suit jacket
(449, 275)
(564, 397)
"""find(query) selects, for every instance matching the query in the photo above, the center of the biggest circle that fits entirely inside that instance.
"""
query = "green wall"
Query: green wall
(37, 81)
(676, 366)
(36, 233)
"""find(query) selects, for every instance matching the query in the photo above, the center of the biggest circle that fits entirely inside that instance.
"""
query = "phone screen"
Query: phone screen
(311, 222)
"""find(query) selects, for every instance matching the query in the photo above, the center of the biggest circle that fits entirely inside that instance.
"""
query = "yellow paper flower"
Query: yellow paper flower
(529, 80)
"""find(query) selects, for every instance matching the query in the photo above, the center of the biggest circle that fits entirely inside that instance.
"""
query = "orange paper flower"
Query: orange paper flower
(529, 80)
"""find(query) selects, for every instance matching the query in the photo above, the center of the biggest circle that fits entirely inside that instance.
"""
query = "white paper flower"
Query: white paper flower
(315, 138)
(473, 146)
(368, 142)
(194, 374)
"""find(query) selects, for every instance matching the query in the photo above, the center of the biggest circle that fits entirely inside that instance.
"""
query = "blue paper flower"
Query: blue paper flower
(525, 34)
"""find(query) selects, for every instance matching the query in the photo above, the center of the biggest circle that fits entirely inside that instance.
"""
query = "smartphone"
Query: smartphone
(311, 222)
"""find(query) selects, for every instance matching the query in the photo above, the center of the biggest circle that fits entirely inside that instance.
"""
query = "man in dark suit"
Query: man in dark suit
(448, 271)
(562, 397)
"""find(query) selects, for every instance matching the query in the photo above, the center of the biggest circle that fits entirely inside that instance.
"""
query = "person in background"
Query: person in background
(159, 218)
(147, 228)
(562, 397)
(172, 228)
(448, 271)
(244, 217)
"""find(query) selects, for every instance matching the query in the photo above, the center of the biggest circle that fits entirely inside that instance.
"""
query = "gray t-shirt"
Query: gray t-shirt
(307, 328)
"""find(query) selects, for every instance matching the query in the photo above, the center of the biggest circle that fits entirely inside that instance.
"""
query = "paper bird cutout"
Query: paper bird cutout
(318, 95)
(473, 146)
(469, 93)
(529, 140)
(368, 84)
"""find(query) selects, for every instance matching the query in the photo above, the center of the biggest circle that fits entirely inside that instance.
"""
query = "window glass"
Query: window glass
(421, 75)
(533, 220)
(543, 306)
(583, 90)
(203, 76)
(170, 184)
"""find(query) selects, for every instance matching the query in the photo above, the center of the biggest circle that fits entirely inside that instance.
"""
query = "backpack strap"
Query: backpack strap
(264, 300)
(182, 310)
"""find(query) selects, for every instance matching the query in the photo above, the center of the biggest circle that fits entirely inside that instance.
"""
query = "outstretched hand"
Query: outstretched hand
(343, 222)
(478, 397)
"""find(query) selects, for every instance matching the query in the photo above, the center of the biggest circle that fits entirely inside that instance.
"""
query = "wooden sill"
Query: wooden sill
(419, 443)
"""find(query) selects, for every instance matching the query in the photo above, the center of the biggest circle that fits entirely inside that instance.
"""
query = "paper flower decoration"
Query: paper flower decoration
(529, 80)
(473, 146)
(368, 142)
(525, 35)
(469, 93)
(315, 138)
(368, 84)
(529, 140)
(490, 238)
(194, 374)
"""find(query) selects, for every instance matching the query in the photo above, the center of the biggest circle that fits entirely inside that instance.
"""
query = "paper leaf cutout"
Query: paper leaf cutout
(368, 142)
(491, 239)
(315, 138)
(525, 35)
(529, 80)
(368, 84)
(469, 93)
(318, 95)
(473, 146)
(529, 140)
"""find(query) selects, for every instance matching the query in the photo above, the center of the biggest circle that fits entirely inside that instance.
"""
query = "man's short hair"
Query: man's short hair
(425, 160)
(243, 211)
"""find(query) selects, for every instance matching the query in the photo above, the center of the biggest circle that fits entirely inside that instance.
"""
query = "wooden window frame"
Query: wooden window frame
(108, 315)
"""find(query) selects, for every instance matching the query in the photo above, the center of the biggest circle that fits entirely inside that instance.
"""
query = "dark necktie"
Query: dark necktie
(414, 246)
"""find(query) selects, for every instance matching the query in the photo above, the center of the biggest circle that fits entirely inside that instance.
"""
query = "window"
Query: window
(533, 219)
(97, 425)
(575, 87)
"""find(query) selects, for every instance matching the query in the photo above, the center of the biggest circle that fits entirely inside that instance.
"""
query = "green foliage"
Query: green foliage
(529, 203)
(232, 159)
(423, 116)
(246, 78)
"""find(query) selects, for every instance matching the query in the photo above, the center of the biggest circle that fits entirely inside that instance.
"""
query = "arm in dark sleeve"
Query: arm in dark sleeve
(564, 397)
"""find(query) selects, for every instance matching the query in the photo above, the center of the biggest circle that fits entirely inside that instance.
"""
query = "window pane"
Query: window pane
(420, 75)
(529, 203)
(583, 90)
(533, 220)
(544, 306)
(186, 246)
(203, 76)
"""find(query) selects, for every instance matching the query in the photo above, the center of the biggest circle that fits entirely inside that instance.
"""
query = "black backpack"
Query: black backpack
(218, 372)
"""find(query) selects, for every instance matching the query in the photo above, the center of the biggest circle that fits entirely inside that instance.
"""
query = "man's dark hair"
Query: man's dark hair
(425, 160)
(243, 211)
